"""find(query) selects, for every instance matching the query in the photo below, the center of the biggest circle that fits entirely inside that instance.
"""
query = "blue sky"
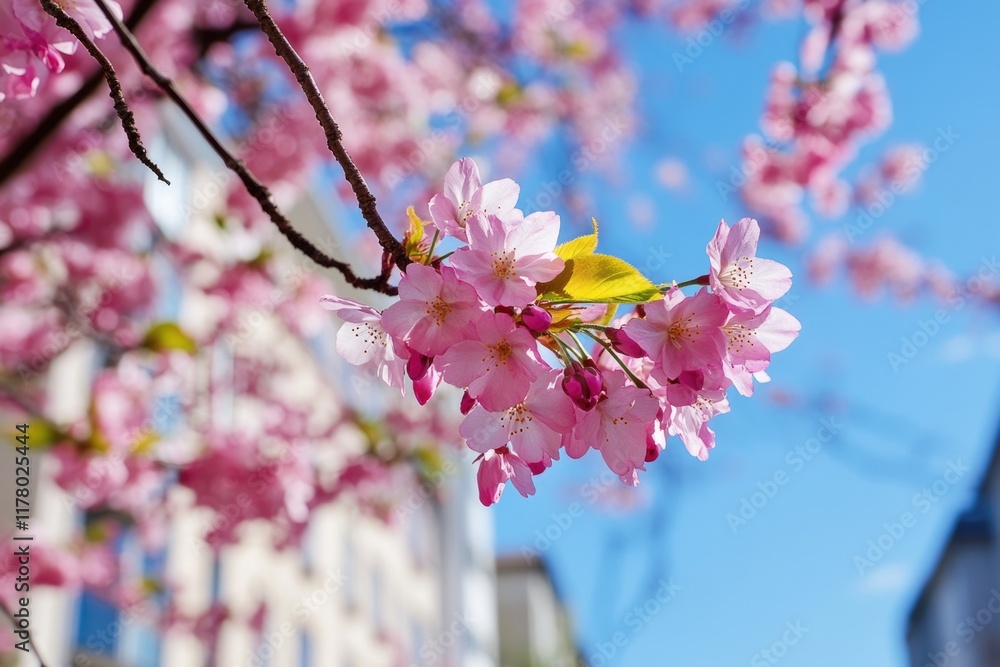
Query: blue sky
(737, 592)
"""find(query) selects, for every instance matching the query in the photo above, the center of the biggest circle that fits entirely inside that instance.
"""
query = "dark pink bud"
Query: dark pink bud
(467, 403)
(652, 449)
(623, 343)
(583, 384)
(536, 319)
(423, 389)
(418, 365)
(537, 468)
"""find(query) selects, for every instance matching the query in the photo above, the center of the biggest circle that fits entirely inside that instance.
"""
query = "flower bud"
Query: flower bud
(467, 403)
(537, 468)
(536, 319)
(652, 449)
(623, 343)
(418, 365)
(584, 385)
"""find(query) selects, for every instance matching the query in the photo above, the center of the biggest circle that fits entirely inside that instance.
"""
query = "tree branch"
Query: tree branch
(253, 186)
(64, 20)
(29, 144)
(334, 137)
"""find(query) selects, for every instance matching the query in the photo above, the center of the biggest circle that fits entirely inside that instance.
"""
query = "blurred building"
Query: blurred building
(361, 593)
(956, 619)
(535, 628)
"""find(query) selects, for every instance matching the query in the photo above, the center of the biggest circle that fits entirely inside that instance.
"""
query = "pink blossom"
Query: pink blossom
(534, 427)
(507, 257)
(690, 422)
(498, 366)
(737, 274)
(617, 426)
(496, 467)
(681, 333)
(363, 342)
(434, 311)
(751, 339)
(465, 196)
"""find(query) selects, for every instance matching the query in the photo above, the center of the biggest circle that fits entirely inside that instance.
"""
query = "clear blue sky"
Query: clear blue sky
(794, 561)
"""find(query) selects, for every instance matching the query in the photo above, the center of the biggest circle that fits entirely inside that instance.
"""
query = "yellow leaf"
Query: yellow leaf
(579, 247)
(168, 336)
(600, 279)
(416, 230)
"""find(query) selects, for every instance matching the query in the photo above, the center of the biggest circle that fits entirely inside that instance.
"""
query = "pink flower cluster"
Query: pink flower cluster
(29, 37)
(486, 322)
(819, 112)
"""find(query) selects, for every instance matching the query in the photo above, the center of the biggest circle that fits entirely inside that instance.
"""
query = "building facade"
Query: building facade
(955, 621)
(362, 592)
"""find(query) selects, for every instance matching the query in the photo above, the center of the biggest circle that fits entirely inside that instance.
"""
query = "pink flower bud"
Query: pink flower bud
(652, 449)
(583, 384)
(423, 389)
(536, 319)
(418, 365)
(537, 468)
(467, 403)
(623, 343)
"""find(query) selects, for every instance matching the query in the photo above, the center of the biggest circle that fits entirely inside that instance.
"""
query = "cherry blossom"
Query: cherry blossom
(465, 197)
(497, 366)
(738, 275)
(506, 258)
(434, 310)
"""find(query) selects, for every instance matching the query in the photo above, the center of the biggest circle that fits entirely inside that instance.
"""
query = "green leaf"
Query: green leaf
(600, 279)
(168, 336)
(579, 247)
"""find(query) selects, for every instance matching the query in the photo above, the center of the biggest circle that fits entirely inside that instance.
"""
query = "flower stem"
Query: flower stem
(638, 383)
(434, 241)
(700, 280)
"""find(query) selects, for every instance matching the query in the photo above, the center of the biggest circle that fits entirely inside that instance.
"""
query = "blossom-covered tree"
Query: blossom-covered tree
(469, 290)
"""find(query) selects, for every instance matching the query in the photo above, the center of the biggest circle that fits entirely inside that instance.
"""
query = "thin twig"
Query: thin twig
(334, 137)
(64, 20)
(253, 186)
(31, 643)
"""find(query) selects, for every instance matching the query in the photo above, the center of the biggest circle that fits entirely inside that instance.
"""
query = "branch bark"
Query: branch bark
(334, 137)
(64, 20)
(256, 189)
(28, 146)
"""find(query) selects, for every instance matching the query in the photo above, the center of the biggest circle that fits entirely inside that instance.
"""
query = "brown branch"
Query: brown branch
(253, 186)
(31, 643)
(334, 137)
(64, 20)
(28, 146)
